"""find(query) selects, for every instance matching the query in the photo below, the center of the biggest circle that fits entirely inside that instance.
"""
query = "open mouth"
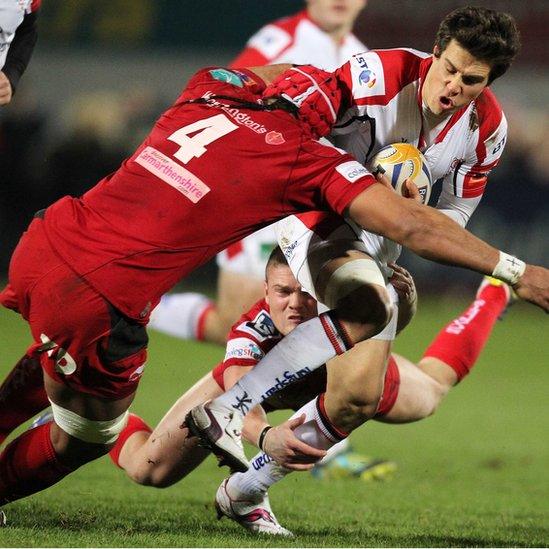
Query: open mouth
(445, 102)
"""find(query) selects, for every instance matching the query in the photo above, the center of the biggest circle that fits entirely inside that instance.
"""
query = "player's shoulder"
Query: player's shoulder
(256, 324)
(490, 116)
(275, 37)
(236, 82)
(382, 74)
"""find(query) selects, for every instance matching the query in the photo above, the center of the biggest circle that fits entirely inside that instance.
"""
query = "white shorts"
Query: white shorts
(310, 240)
(249, 256)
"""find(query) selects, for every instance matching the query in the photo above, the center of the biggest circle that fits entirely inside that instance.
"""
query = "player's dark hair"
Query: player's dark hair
(277, 257)
(488, 35)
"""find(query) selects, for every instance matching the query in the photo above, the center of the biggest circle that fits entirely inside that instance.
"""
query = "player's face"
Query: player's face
(455, 79)
(289, 305)
(331, 15)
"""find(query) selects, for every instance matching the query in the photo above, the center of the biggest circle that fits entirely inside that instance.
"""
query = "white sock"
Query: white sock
(264, 471)
(304, 349)
(340, 448)
(178, 315)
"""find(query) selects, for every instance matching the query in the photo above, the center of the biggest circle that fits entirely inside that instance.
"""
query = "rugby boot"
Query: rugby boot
(255, 516)
(219, 430)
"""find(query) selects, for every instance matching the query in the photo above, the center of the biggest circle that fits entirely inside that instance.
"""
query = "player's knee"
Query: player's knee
(77, 439)
(357, 291)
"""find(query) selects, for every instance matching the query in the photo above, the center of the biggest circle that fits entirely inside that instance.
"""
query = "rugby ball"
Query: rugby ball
(400, 161)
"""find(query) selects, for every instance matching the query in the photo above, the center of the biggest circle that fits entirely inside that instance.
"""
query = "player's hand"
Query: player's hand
(5, 89)
(287, 450)
(533, 286)
(383, 179)
(410, 190)
(404, 285)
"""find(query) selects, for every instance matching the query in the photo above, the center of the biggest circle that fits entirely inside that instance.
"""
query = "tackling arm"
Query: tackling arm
(434, 236)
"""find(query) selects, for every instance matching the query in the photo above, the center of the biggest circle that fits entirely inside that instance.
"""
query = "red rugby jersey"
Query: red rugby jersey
(208, 174)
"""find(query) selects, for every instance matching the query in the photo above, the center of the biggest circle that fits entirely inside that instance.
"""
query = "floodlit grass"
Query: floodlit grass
(475, 474)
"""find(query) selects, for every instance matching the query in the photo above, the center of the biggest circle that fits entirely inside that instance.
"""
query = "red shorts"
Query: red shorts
(390, 389)
(83, 342)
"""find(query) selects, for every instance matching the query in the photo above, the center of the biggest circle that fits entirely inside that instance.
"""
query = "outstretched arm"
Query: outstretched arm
(434, 236)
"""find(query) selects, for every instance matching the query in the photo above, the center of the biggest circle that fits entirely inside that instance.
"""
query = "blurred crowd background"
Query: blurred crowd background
(102, 72)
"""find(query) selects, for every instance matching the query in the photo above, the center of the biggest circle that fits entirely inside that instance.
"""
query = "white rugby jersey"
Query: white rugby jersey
(297, 39)
(384, 89)
(12, 13)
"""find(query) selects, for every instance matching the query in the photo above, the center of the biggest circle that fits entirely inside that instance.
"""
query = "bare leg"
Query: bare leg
(166, 455)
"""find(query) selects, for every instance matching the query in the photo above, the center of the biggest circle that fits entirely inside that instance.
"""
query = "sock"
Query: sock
(340, 448)
(22, 395)
(317, 431)
(134, 425)
(461, 341)
(181, 315)
(303, 350)
(29, 464)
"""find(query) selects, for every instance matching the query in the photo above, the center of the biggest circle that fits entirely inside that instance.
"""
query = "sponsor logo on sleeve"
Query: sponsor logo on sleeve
(261, 327)
(223, 75)
(367, 73)
(352, 170)
(243, 348)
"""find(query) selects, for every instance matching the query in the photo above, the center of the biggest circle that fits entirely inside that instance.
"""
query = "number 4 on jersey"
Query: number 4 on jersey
(209, 129)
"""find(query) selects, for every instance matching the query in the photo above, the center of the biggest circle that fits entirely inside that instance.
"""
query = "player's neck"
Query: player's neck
(338, 35)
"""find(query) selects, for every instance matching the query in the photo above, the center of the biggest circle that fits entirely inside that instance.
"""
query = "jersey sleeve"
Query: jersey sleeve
(263, 47)
(21, 48)
(337, 176)
(463, 187)
(377, 76)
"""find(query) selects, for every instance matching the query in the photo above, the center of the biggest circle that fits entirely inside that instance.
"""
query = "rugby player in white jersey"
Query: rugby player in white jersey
(321, 35)
(18, 34)
(440, 103)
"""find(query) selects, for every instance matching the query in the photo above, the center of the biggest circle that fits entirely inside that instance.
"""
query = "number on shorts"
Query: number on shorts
(210, 129)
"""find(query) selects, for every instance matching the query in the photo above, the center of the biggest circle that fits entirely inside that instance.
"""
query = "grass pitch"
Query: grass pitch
(475, 474)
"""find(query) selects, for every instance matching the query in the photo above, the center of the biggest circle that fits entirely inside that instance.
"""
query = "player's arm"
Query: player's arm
(434, 236)
(18, 56)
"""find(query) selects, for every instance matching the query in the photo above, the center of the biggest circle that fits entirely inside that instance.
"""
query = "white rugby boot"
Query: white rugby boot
(255, 516)
(219, 429)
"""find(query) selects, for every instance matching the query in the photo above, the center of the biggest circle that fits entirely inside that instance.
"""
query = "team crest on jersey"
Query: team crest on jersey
(274, 138)
(261, 327)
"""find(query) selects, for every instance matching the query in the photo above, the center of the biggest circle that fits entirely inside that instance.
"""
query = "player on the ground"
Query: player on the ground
(319, 35)
(411, 392)
(169, 453)
(442, 104)
(18, 35)
(106, 258)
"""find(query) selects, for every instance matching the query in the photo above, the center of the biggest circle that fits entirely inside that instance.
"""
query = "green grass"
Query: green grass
(475, 474)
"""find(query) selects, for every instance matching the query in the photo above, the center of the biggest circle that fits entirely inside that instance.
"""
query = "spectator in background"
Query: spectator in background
(18, 34)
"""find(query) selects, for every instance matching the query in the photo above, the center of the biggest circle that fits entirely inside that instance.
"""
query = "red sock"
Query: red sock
(201, 322)
(22, 395)
(135, 424)
(461, 341)
(29, 464)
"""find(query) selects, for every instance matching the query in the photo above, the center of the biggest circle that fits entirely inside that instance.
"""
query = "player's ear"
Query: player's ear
(265, 288)
(436, 51)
